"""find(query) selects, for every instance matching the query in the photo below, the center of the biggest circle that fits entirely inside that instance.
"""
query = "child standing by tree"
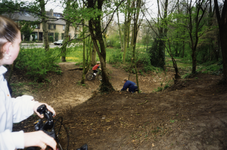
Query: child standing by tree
(95, 68)
(13, 110)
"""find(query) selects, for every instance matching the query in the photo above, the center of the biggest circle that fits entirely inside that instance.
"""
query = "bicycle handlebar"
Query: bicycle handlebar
(47, 127)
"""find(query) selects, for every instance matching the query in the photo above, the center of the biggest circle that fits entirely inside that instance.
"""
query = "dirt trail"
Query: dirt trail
(65, 91)
(190, 115)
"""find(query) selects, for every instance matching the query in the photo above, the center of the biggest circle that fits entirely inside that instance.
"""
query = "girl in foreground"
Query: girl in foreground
(14, 110)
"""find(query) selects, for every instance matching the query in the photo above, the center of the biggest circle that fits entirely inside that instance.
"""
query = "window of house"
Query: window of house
(51, 37)
(57, 15)
(56, 36)
(35, 36)
(51, 26)
(37, 26)
(26, 14)
(62, 36)
(63, 27)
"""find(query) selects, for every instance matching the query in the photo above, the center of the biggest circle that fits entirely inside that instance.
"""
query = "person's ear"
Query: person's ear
(7, 50)
(6, 47)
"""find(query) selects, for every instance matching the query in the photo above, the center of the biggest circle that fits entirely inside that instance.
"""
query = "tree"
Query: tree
(119, 30)
(126, 28)
(138, 4)
(96, 35)
(44, 23)
(66, 35)
(163, 42)
(222, 23)
(86, 65)
(195, 13)
(162, 32)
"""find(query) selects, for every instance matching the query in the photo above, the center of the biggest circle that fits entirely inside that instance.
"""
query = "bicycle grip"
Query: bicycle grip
(38, 148)
(31, 148)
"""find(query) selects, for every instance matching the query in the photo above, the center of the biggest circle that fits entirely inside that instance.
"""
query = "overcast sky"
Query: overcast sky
(57, 7)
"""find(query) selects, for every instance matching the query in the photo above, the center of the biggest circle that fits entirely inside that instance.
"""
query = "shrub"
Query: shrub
(37, 62)
(115, 56)
(51, 39)
(113, 41)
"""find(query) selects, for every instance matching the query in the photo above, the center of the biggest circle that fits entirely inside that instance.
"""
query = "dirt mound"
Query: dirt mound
(189, 115)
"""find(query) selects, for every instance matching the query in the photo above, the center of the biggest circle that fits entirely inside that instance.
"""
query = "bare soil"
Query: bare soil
(189, 115)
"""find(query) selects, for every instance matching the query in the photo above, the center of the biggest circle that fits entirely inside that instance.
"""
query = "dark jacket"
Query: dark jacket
(130, 85)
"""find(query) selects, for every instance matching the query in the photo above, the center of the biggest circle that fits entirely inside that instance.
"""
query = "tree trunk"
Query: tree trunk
(93, 55)
(84, 73)
(135, 32)
(194, 23)
(162, 34)
(96, 34)
(44, 23)
(223, 37)
(193, 60)
(183, 49)
(119, 30)
(222, 23)
(125, 38)
(65, 42)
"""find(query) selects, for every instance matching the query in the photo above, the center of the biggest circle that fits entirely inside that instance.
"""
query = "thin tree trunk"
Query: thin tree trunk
(44, 23)
(125, 38)
(119, 30)
(222, 23)
(93, 57)
(84, 69)
(66, 36)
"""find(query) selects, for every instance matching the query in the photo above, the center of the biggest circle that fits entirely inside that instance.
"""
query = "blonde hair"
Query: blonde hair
(8, 32)
(125, 79)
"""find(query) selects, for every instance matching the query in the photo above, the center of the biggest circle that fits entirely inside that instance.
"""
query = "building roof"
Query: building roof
(25, 16)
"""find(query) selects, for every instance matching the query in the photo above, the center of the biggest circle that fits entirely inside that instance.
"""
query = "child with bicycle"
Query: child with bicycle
(14, 110)
(95, 68)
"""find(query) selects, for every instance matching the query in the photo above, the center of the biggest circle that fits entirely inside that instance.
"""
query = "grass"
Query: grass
(75, 54)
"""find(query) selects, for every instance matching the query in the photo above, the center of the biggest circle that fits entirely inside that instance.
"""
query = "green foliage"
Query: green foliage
(211, 68)
(186, 75)
(115, 56)
(56, 36)
(8, 7)
(26, 31)
(158, 89)
(51, 39)
(113, 41)
(156, 54)
(36, 62)
(141, 72)
(166, 86)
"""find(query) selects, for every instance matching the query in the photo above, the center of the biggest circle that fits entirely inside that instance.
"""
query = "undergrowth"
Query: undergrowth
(35, 63)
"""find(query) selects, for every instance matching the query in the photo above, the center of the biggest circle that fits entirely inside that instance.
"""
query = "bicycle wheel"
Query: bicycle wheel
(62, 135)
(100, 77)
(90, 76)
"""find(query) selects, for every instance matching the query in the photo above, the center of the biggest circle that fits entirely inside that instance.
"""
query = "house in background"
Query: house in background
(56, 26)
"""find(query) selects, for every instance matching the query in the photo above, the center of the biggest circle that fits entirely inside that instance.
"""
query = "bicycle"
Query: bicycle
(49, 127)
(91, 76)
